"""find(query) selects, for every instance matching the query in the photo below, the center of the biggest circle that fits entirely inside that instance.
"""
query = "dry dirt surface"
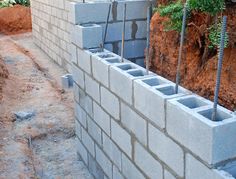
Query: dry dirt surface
(42, 146)
(197, 75)
(14, 20)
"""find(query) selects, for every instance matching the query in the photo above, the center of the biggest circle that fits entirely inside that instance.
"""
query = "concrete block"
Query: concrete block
(80, 114)
(100, 63)
(134, 123)
(104, 162)
(92, 88)
(166, 150)
(84, 60)
(78, 76)
(87, 35)
(94, 168)
(101, 118)
(116, 173)
(81, 150)
(78, 130)
(76, 92)
(150, 101)
(95, 131)
(78, 13)
(121, 138)
(150, 166)
(112, 150)
(124, 74)
(86, 102)
(189, 122)
(196, 170)
(168, 175)
(88, 142)
(129, 170)
(110, 103)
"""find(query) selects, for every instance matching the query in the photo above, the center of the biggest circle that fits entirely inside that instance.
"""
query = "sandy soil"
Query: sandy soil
(43, 146)
(197, 74)
(14, 20)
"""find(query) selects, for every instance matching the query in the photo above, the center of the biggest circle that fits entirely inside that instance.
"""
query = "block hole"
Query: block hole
(106, 55)
(88, 25)
(136, 73)
(192, 102)
(153, 82)
(220, 115)
(96, 50)
(114, 60)
(126, 67)
(168, 90)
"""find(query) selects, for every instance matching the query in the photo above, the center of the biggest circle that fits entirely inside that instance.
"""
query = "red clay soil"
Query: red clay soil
(3, 75)
(14, 20)
(196, 74)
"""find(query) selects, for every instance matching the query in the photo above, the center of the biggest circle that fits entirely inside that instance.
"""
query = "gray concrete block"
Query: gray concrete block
(116, 173)
(81, 150)
(88, 142)
(134, 123)
(166, 150)
(91, 12)
(121, 138)
(80, 114)
(76, 92)
(73, 52)
(151, 102)
(78, 130)
(101, 67)
(94, 168)
(104, 162)
(121, 79)
(95, 131)
(110, 103)
(187, 122)
(130, 170)
(150, 166)
(92, 88)
(111, 150)
(196, 170)
(78, 76)
(101, 118)
(87, 36)
(84, 60)
(86, 102)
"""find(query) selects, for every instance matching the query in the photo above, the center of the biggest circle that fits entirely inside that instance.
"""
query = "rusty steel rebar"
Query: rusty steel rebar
(123, 33)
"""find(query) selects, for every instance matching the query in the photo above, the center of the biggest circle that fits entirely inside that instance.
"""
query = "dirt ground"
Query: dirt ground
(196, 74)
(14, 20)
(44, 145)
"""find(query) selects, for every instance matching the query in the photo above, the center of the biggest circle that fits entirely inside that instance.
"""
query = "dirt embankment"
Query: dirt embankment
(197, 73)
(3, 75)
(14, 20)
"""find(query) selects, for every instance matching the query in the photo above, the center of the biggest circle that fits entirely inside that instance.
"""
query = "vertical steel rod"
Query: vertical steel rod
(181, 48)
(219, 69)
(107, 21)
(123, 33)
(148, 38)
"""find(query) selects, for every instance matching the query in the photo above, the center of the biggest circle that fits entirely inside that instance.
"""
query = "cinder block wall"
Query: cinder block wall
(53, 25)
(130, 124)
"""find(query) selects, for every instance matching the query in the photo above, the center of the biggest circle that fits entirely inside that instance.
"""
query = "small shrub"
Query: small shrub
(215, 36)
(7, 3)
(23, 2)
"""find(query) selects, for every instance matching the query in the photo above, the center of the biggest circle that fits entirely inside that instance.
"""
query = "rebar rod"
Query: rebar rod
(106, 27)
(148, 38)
(219, 68)
(181, 48)
(123, 33)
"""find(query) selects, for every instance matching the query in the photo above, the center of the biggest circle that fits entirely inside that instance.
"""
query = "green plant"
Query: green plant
(7, 3)
(215, 36)
(213, 7)
(174, 11)
(23, 2)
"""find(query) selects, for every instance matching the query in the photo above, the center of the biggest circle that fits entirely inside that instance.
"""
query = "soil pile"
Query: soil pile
(197, 73)
(3, 75)
(16, 19)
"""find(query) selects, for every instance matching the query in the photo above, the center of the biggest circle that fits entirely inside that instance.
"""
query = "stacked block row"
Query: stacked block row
(131, 124)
